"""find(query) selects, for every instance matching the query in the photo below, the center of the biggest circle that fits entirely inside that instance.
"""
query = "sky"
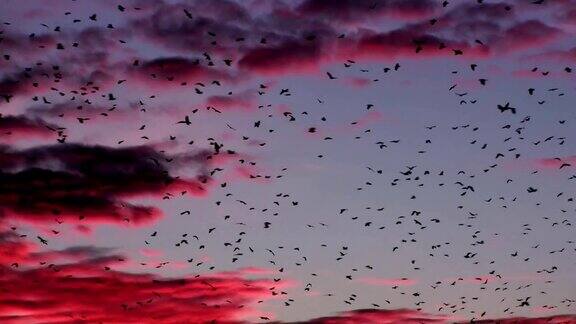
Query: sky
(276, 161)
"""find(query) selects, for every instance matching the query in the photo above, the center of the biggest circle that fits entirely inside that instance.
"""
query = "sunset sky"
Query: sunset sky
(287, 161)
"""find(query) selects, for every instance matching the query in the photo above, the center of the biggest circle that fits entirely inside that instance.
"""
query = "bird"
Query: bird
(186, 121)
(187, 13)
(42, 240)
(506, 107)
(330, 76)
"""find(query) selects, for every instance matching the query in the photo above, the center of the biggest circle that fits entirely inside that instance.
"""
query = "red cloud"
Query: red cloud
(307, 56)
(90, 290)
(14, 250)
(17, 252)
(404, 42)
(83, 284)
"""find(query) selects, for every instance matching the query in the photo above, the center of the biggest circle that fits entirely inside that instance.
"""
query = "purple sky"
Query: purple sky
(306, 161)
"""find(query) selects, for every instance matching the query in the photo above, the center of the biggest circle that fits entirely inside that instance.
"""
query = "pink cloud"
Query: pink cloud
(555, 163)
(357, 82)
(241, 101)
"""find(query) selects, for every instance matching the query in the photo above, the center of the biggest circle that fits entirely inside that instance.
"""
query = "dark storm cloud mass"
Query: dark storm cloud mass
(74, 182)
(116, 112)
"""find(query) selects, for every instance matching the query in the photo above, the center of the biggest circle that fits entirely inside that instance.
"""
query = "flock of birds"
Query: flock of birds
(504, 143)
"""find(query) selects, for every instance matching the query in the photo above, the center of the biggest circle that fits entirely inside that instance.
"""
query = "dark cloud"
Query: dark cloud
(15, 84)
(30, 80)
(14, 128)
(73, 182)
(289, 56)
(22, 48)
(212, 27)
(17, 252)
(162, 71)
(359, 10)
